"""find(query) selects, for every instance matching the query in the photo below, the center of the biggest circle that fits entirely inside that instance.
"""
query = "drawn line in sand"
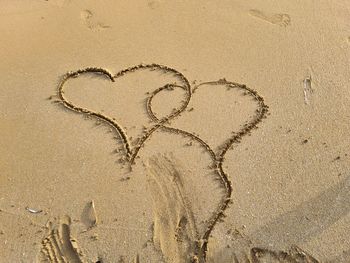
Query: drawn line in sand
(217, 158)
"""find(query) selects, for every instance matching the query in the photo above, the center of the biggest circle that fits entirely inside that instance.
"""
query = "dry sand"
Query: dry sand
(148, 149)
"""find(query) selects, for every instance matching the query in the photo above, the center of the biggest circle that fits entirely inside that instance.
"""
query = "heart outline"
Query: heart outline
(131, 154)
(217, 158)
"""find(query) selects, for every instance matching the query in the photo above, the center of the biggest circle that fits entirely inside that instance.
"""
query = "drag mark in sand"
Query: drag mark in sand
(175, 233)
(218, 158)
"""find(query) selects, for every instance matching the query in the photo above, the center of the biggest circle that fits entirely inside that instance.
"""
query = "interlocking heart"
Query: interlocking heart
(216, 129)
(208, 116)
(168, 74)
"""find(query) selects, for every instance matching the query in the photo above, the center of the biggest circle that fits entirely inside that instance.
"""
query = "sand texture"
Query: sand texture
(174, 131)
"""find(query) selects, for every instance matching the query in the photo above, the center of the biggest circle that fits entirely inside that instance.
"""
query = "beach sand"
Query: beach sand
(174, 131)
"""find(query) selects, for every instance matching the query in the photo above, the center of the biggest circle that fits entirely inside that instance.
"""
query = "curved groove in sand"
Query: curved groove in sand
(154, 93)
(130, 153)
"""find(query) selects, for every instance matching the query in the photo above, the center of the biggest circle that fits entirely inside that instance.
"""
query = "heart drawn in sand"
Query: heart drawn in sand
(221, 113)
(220, 132)
(221, 127)
(172, 79)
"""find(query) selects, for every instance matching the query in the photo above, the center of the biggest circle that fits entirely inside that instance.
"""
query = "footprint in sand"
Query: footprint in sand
(154, 4)
(276, 19)
(88, 18)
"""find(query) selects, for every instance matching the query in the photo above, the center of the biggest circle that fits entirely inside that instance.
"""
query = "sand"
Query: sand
(174, 131)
